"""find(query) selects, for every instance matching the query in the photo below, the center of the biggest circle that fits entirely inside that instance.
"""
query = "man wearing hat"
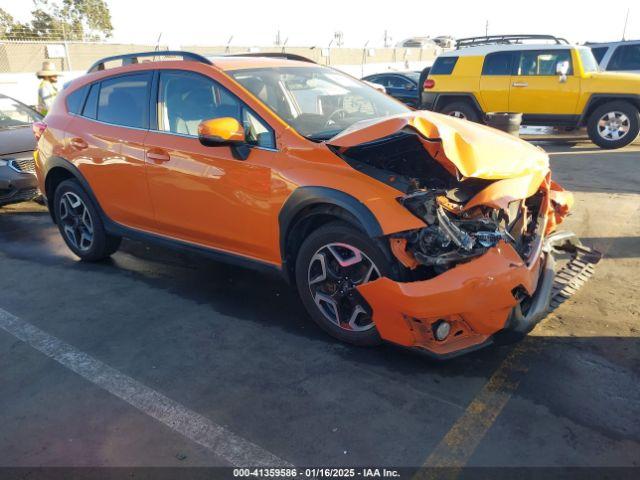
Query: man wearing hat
(47, 90)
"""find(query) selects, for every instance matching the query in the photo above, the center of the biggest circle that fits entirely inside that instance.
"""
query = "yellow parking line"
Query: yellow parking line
(457, 446)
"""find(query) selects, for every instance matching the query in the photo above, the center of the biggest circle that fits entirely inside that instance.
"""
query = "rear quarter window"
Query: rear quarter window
(443, 66)
(75, 100)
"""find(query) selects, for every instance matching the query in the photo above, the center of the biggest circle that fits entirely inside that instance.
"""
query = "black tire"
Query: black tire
(102, 245)
(343, 233)
(616, 108)
(468, 111)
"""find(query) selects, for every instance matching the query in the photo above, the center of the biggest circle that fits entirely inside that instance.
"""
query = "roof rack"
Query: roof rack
(132, 58)
(505, 39)
(287, 56)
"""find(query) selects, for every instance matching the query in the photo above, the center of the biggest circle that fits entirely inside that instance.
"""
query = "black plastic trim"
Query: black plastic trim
(114, 228)
(308, 196)
(634, 99)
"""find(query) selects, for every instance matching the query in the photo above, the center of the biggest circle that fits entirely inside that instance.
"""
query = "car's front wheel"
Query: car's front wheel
(614, 125)
(331, 263)
(80, 224)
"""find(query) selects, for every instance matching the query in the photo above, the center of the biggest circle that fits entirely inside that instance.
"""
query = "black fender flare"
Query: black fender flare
(308, 196)
(598, 97)
(467, 96)
(59, 162)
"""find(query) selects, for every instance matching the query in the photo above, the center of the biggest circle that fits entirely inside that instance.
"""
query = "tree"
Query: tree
(59, 20)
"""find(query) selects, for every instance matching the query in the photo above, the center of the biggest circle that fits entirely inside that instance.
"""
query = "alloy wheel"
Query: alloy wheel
(334, 272)
(613, 126)
(76, 221)
(458, 114)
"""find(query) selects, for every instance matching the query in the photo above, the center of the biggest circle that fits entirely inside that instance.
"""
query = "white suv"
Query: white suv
(618, 56)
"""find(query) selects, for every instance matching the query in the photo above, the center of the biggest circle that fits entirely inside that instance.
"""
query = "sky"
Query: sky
(309, 23)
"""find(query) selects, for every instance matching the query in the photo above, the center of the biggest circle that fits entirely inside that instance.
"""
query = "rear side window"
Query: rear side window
(91, 104)
(599, 53)
(443, 66)
(626, 57)
(499, 63)
(76, 99)
(124, 100)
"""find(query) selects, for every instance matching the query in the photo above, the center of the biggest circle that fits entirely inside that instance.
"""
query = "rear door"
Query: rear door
(536, 88)
(105, 141)
(495, 81)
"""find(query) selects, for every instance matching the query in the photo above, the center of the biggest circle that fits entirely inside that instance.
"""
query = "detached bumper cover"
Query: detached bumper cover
(494, 298)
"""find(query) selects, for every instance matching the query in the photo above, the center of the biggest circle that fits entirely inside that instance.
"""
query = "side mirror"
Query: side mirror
(562, 69)
(224, 131)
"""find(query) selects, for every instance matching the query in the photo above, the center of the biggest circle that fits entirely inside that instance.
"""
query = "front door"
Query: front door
(203, 194)
(536, 88)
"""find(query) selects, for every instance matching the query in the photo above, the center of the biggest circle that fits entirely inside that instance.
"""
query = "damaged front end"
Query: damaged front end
(482, 263)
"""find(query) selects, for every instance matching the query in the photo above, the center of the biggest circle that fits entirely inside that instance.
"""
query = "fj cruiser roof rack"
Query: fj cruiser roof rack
(504, 39)
(132, 58)
(286, 56)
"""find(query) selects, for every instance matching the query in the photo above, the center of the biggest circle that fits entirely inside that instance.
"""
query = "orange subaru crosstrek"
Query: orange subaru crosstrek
(407, 226)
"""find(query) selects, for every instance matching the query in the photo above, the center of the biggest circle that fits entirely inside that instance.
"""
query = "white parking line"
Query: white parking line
(227, 445)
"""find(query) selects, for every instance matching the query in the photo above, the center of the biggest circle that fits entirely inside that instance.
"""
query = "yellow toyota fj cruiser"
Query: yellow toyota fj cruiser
(555, 84)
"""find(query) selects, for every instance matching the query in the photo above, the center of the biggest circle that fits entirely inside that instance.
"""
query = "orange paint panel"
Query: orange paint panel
(479, 291)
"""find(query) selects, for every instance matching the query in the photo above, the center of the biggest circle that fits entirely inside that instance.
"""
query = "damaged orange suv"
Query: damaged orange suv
(412, 227)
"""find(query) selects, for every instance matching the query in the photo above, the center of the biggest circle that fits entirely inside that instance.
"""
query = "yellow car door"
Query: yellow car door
(536, 87)
(495, 81)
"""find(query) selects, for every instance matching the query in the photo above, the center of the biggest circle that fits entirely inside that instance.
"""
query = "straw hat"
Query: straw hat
(48, 70)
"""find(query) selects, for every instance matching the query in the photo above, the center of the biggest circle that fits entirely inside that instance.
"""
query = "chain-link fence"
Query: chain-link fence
(21, 58)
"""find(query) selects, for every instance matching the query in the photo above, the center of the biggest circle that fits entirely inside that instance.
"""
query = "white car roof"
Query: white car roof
(613, 44)
(482, 50)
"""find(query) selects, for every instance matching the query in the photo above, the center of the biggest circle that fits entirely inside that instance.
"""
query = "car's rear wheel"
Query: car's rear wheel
(331, 262)
(80, 224)
(461, 110)
(614, 125)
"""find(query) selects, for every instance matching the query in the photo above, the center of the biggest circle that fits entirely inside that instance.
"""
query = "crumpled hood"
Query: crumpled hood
(473, 150)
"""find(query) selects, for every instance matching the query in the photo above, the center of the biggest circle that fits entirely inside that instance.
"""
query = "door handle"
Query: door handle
(158, 156)
(520, 84)
(78, 143)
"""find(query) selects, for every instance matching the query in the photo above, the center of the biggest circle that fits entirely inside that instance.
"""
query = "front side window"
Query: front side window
(497, 64)
(399, 82)
(124, 100)
(185, 99)
(318, 102)
(543, 63)
(626, 57)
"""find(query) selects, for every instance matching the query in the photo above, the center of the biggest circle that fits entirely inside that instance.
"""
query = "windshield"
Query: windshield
(318, 102)
(14, 114)
(589, 62)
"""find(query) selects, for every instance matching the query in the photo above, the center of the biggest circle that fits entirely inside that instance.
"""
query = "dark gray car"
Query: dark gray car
(17, 143)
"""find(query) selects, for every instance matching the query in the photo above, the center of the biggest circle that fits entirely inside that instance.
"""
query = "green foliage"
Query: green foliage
(59, 20)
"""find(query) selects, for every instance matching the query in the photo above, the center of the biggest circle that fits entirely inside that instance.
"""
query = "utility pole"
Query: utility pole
(387, 39)
(486, 28)
(626, 20)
